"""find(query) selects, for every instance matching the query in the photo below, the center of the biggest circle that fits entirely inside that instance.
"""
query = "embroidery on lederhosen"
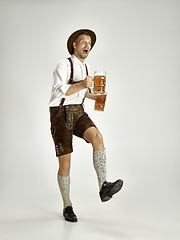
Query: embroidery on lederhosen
(69, 120)
(59, 149)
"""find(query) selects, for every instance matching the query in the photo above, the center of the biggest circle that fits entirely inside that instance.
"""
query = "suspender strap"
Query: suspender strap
(86, 70)
(62, 101)
(71, 80)
(72, 72)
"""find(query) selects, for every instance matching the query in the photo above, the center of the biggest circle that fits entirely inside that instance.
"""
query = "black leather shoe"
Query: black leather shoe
(69, 214)
(109, 189)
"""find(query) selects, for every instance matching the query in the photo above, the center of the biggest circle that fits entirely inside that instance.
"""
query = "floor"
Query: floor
(107, 221)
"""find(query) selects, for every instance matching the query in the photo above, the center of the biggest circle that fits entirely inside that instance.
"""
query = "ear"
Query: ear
(74, 45)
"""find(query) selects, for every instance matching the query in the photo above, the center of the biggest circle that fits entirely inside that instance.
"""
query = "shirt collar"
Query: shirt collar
(75, 59)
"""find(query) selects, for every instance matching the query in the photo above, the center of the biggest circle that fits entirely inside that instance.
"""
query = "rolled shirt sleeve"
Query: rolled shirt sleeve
(60, 78)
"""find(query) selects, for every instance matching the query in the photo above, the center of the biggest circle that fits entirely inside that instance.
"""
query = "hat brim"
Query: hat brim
(75, 34)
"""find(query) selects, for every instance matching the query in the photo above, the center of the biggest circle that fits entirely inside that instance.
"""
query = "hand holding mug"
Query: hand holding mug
(88, 82)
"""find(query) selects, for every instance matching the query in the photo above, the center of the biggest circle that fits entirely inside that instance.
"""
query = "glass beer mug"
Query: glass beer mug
(99, 89)
(99, 81)
(100, 101)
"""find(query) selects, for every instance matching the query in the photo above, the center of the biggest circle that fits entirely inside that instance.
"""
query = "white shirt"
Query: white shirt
(61, 77)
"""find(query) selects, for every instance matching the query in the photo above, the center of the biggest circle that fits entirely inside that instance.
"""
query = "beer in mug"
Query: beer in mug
(99, 81)
(100, 101)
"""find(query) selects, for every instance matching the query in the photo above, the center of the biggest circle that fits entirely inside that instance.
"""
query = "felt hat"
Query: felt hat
(75, 34)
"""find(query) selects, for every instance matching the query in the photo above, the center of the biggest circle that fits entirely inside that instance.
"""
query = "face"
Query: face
(82, 46)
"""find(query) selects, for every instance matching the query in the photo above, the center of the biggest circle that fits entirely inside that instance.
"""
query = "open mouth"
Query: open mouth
(85, 51)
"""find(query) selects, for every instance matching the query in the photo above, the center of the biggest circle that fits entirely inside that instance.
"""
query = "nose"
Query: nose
(86, 44)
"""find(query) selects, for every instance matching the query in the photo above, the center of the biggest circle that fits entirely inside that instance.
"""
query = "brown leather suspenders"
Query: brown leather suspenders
(72, 72)
(71, 81)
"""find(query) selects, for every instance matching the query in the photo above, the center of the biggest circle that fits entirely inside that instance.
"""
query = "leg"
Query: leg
(93, 136)
(64, 186)
(62, 137)
(64, 178)
(64, 164)
(107, 189)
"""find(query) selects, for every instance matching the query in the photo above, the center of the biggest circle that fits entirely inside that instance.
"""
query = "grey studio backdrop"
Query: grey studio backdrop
(138, 46)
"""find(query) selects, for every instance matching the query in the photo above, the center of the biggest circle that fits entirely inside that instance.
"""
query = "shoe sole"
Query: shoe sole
(115, 188)
(70, 220)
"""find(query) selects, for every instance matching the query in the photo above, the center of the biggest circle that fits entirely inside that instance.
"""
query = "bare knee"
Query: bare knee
(98, 138)
(97, 141)
(93, 136)
(64, 165)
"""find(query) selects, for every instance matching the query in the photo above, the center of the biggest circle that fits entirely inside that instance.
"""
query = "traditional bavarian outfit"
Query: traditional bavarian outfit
(68, 118)
(67, 114)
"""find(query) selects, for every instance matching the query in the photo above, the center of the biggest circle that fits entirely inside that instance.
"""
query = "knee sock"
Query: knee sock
(99, 161)
(64, 186)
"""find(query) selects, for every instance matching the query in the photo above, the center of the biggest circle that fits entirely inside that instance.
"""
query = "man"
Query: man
(71, 85)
